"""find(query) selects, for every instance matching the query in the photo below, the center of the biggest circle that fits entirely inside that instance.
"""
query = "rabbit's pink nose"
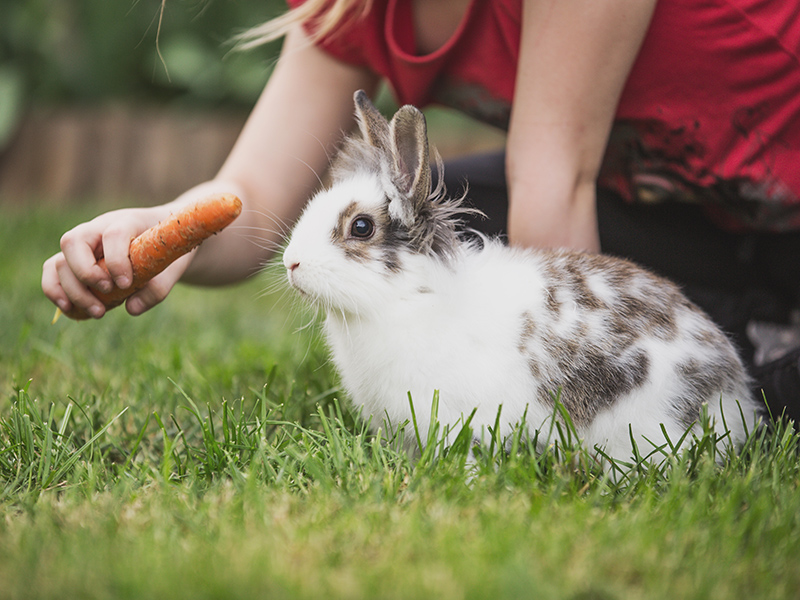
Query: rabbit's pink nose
(293, 266)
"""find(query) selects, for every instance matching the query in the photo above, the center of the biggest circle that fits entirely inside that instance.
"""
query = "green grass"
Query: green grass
(204, 450)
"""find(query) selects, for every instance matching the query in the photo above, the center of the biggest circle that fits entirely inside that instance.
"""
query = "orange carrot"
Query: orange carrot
(158, 247)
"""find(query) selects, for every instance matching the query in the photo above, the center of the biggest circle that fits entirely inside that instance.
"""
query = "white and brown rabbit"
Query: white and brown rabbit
(413, 307)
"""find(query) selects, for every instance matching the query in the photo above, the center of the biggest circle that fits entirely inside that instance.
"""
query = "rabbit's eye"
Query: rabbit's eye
(362, 228)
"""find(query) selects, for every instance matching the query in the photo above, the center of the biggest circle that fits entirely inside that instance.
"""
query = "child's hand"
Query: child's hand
(68, 276)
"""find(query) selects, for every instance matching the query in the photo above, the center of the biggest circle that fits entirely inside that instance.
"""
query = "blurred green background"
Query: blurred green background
(90, 51)
(123, 101)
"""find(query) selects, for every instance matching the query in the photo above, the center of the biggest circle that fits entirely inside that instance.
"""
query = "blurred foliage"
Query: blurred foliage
(89, 51)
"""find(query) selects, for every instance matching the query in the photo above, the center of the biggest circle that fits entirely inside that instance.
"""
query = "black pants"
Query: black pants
(735, 278)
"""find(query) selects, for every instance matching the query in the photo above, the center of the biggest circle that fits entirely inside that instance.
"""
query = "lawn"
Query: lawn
(204, 450)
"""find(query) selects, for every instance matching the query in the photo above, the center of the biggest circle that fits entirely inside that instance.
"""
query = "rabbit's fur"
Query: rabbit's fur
(413, 307)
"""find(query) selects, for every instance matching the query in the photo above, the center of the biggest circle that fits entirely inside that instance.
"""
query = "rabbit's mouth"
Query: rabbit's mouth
(290, 275)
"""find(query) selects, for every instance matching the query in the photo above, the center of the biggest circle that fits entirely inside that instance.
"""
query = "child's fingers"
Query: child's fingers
(76, 293)
(116, 245)
(79, 247)
(51, 286)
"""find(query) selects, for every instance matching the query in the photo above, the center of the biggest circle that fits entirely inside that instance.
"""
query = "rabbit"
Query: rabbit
(412, 305)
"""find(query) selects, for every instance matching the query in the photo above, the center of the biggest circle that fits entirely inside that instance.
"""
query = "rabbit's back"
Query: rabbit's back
(622, 346)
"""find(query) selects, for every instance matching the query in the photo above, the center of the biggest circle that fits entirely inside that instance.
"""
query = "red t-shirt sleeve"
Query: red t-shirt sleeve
(347, 43)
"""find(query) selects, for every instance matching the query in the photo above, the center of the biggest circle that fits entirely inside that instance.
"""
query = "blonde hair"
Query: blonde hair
(322, 17)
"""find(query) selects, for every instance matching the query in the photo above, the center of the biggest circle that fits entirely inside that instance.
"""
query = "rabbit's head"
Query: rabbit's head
(379, 222)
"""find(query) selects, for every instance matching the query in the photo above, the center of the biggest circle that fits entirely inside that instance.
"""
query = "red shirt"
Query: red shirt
(710, 112)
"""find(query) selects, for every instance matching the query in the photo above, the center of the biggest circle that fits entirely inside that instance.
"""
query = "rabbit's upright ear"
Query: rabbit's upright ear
(374, 127)
(412, 170)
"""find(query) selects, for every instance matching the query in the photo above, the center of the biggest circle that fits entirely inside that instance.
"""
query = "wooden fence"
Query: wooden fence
(144, 156)
(63, 155)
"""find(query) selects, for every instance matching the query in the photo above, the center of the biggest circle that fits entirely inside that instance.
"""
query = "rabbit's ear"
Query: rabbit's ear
(374, 127)
(412, 170)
